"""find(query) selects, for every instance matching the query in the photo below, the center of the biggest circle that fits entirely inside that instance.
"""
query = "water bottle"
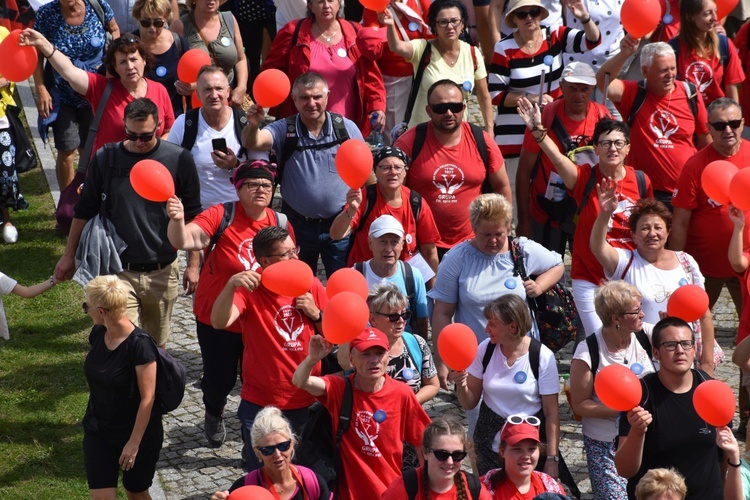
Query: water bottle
(566, 388)
(556, 189)
(375, 139)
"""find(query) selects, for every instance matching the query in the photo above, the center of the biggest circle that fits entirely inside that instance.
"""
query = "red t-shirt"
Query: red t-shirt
(397, 490)
(371, 451)
(662, 134)
(743, 329)
(741, 43)
(233, 254)
(584, 265)
(508, 491)
(276, 336)
(416, 233)
(709, 228)
(112, 127)
(666, 32)
(708, 74)
(580, 132)
(449, 178)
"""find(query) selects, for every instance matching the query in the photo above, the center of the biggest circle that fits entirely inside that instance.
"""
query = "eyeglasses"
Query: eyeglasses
(255, 186)
(392, 168)
(86, 308)
(618, 144)
(443, 107)
(671, 345)
(146, 23)
(267, 451)
(393, 317)
(288, 254)
(443, 455)
(140, 137)
(521, 14)
(455, 22)
(720, 126)
(633, 313)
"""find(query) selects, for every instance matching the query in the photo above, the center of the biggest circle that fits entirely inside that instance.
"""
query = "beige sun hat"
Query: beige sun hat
(510, 19)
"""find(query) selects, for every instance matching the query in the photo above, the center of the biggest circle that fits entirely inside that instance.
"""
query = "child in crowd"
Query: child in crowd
(9, 285)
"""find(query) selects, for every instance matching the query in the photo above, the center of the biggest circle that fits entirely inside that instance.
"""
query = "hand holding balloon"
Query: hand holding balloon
(639, 420)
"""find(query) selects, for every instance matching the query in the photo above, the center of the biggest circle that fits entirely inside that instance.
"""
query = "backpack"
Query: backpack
(318, 449)
(723, 50)
(593, 346)
(640, 179)
(412, 486)
(171, 377)
(191, 128)
(476, 131)
(535, 352)
(640, 98)
(411, 296)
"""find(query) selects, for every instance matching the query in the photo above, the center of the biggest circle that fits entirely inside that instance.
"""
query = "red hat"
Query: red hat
(370, 337)
(515, 433)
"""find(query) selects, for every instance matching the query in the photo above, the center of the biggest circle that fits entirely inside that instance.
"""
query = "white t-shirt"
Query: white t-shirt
(509, 390)
(605, 429)
(7, 284)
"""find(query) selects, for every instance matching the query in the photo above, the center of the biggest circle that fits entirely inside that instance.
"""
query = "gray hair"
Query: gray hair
(723, 103)
(386, 295)
(268, 421)
(309, 80)
(652, 50)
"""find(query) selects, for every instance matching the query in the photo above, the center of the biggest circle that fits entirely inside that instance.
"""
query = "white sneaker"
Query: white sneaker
(10, 233)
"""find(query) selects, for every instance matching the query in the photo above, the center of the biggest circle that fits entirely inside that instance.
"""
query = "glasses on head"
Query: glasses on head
(443, 455)
(671, 345)
(394, 317)
(633, 313)
(392, 168)
(618, 144)
(455, 22)
(125, 39)
(519, 419)
(288, 254)
(443, 107)
(721, 126)
(146, 23)
(86, 308)
(521, 14)
(267, 451)
(140, 137)
(255, 186)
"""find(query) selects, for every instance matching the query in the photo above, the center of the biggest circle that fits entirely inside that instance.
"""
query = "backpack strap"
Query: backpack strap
(488, 355)
(190, 134)
(345, 418)
(240, 120)
(411, 294)
(724, 50)
(85, 158)
(99, 11)
(281, 220)
(627, 267)
(593, 346)
(478, 134)
(415, 200)
(339, 127)
(290, 145)
(412, 348)
(516, 256)
(535, 353)
(640, 98)
(642, 339)
(424, 61)
(586, 193)
(562, 135)
(474, 485)
(371, 196)
(640, 179)
(226, 221)
(419, 138)
(360, 266)
(692, 95)
(411, 483)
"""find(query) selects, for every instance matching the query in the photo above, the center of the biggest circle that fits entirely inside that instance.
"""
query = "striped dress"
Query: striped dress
(513, 70)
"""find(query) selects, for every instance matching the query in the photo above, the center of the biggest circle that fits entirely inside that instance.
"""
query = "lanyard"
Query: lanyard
(297, 478)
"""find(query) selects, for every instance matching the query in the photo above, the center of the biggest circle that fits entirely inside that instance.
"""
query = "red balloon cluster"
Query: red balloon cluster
(346, 315)
(347, 279)
(714, 402)
(290, 278)
(640, 17)
(271, 88)
(251, 492)
(190, 64)
(152, 181)
(457, 346)
(724, 183)
(354, 162)
(618, 388)
(688, 302)
(16, 63)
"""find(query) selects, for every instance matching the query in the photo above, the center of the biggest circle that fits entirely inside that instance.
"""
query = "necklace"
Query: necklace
(619, 352)
(327, 38)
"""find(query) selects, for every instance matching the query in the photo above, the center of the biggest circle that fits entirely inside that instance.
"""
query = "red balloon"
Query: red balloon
(17, 63)
(618, 388)
(354, 162)
(724, 8)
(346, 315)
(151, 180)
(640, 17)
(457, 346)
(376, 5)
(347, 279)
(714, 402)
(688, 302)
(190, 64)
(739, 189)
(195, 101)
(250, 493)
(290, 278)
(271, 88)
(716, 178)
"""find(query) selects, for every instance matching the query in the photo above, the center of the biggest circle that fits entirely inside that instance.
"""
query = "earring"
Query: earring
(617, 326)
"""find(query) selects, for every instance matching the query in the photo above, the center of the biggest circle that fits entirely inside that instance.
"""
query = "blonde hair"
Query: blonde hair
(158, 7)
(491, 207)
(656, 482)
(613, 298)
(108, 292)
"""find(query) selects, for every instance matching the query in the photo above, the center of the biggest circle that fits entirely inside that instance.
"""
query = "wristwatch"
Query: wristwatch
(554, 458)
(320, 317)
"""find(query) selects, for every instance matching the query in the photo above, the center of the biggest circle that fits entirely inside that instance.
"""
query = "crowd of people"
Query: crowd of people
(590, 140)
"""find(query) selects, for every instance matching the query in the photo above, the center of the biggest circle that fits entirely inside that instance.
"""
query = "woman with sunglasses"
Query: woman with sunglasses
(519, 451)
(445, 445)
(450, 58)
(624, 339)
(165, 46)
(273, 443)
(520, 58)
(121, 428)
(127, 60)
(652, 268)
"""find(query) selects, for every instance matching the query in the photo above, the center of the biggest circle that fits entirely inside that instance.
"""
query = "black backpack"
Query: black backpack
(191, 128)
(593, 346)
(412, 487)
(171, 377)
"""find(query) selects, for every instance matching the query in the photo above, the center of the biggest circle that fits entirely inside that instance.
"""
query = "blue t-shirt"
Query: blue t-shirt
(420, 293)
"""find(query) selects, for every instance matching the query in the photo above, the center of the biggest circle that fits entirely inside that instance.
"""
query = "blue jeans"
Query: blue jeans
(314, 239)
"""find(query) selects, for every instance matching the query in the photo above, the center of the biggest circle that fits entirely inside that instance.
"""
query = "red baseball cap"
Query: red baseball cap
(515, 433)
(370, 337)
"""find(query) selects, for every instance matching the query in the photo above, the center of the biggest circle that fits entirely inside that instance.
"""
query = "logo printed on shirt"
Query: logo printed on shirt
(664, 125)
(700, 74)
(246, 255)
(624, 207)
(367, 428)
(448, 179)
(289, 324)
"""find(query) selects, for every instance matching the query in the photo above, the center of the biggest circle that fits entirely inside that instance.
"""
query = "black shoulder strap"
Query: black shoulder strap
(345, 418)
(415, 200)
(190, 134)
(642, 339)
(339, 127)
(587, 192)
(370, 198)
(640, 98)
(692, 95)
(178, 44)
(475, 486)
(488, 355)
(110, 152)
(724, 50)
(360, 267)
(240, 120)
(424, 61)
(478, 134)
(408, 272)
(83, 162)
(640, 179)
(226, 220)
(295, 35)
(535, 353)
(290, 144)
(411, 483)
(562, 135)
(419, 138)
(593, 346)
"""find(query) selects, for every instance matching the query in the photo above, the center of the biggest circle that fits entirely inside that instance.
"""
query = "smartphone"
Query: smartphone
(219, 145)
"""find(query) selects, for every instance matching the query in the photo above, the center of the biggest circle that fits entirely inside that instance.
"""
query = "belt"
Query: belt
(297, 215)
(147, 267)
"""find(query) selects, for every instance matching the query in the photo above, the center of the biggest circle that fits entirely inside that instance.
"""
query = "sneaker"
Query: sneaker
(215, 431)
(10, 233)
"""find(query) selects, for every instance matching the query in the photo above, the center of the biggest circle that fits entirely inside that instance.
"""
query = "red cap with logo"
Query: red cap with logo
(370, 337)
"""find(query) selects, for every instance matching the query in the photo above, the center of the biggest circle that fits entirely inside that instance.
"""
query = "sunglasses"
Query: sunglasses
(393, 317)
(443, 455)
(733, 124)
(86, 308)
(140, 137)
(146, 23)
(521, 14)
(267, 451)
(125, 40)
(443, 107)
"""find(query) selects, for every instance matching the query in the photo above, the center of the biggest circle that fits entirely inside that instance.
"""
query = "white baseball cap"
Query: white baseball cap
(386, 224)
(579, 72)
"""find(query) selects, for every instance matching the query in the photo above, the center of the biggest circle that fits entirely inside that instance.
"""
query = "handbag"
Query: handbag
(26, 158)
(554, 311)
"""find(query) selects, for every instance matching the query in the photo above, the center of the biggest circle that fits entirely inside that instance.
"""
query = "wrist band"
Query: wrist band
(588, 20)
(54, 49)
(52, 281)
(733, 465)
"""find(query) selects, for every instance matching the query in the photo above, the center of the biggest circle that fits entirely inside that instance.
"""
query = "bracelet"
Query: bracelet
(554, 458)
(733, 465)
(541, 129)
(54, 49)
(588, 20)
(345, 212)
(52, 281)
